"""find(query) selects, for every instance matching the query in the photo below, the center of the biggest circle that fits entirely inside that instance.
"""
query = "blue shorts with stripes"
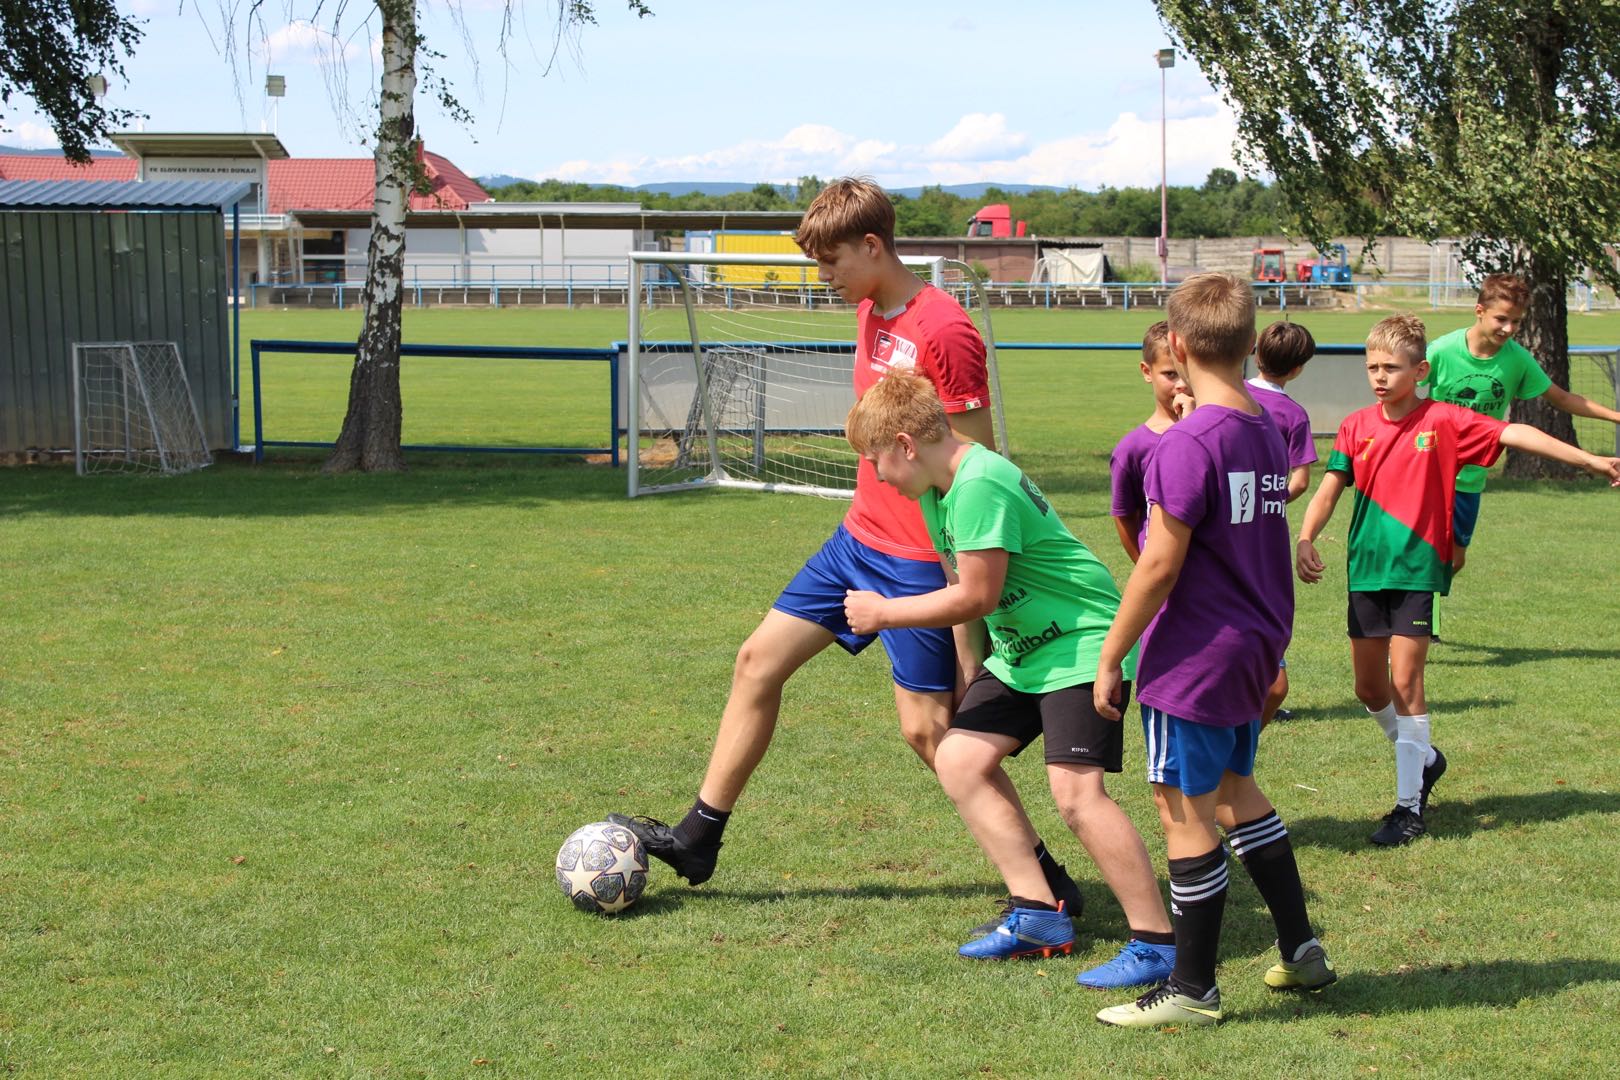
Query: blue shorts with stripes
(1194, 757)
(923, 659)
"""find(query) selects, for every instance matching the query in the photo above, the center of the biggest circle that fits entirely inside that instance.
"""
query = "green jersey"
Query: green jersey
(1058, 600)
(1487, 385)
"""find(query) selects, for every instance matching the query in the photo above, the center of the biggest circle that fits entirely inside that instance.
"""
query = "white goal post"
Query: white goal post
(133, 410)
(740, 371)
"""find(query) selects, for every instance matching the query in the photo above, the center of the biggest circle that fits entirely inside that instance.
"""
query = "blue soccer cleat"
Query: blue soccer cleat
(1024, 932)
(1138, 964)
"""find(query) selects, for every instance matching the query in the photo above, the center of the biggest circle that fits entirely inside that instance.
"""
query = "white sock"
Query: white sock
(1386, 720)
(1411, 753)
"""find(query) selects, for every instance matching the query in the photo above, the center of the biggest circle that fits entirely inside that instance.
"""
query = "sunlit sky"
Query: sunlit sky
(1030, 92)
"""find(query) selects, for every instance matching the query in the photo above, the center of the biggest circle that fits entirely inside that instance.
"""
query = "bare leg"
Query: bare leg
(1370, 659)
(969, 767)
(1407, 655)
(1275, 697)
(1112, 842)
(778, 647)
(924, 719)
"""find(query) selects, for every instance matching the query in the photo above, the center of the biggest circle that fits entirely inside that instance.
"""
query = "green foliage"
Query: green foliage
(48, 51)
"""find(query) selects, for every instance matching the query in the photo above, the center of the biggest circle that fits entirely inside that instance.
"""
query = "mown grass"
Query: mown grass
(284, 759)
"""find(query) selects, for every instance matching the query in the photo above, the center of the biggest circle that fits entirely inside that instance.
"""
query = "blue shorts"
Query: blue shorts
(1194, 757)
(1464, 516)
(923, 659)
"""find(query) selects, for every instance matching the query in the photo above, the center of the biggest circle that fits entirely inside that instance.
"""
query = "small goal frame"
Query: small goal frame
(933, 267)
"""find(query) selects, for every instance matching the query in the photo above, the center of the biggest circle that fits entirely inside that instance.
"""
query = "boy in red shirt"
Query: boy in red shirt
(1402, 456)
(882, 545)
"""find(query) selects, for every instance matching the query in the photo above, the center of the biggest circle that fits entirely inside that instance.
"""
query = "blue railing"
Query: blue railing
(454, 352)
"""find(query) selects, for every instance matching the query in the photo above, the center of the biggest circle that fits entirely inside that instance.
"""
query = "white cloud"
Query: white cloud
(302, 42)
(976, 137)
(29, 135)
(978, 148)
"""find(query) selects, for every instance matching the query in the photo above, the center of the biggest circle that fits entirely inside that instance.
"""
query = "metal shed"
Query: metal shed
(84, 260)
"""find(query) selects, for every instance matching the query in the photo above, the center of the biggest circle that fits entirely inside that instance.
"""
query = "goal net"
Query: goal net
(133, 410)
(740, 372)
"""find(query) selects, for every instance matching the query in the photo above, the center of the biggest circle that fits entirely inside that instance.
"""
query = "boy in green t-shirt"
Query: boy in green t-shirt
(1402, 456)
(1482, 368)
(1046, 602)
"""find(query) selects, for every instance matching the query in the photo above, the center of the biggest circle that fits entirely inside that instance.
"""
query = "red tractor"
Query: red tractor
(1268, 265)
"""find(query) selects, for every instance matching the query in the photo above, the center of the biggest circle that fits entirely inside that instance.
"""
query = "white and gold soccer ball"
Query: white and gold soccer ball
(602, 867)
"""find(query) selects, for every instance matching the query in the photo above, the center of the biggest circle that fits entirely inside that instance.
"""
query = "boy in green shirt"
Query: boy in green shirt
(1046, 602)
(1482, 368)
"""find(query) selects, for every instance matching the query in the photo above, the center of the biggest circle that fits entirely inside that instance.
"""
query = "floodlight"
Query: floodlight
(97, 85)
(1167, 58)
(275, 85)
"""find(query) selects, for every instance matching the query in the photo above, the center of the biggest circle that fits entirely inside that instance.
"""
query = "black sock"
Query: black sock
(1268, 856)
(1197, 902)
(1049, 865)
(702, 826)
(1036, 905)
(1154, 937)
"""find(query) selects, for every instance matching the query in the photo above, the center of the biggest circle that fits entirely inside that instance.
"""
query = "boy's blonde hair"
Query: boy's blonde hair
(844, 211)
(1402, 336)
(1282, 347)
(1155, 342)
(1504, 288)
(1213, 315)
(902, 401)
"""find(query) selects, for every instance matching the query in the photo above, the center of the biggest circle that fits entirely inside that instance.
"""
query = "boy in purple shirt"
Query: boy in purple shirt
(1127, 465)
(1281, 354)
(1212, 599)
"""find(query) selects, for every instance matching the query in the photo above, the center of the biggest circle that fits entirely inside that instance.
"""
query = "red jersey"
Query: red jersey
(933, 336)
(1405, 476)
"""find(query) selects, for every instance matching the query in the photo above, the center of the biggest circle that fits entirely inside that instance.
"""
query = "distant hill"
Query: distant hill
(726, 187)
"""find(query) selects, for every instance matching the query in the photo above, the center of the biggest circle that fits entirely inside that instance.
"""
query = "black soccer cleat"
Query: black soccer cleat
(696, 865)
(1431, 773)
(1400, 826)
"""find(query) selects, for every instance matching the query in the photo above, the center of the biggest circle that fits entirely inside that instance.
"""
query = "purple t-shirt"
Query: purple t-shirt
(1291, 420)
(1211, 653)
(1127, 466)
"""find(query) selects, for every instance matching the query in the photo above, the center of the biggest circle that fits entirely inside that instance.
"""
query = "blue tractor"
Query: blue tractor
(1325, 269)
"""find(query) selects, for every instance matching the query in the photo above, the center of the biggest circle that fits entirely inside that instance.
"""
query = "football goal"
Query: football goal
(133, 410)
(740, 372)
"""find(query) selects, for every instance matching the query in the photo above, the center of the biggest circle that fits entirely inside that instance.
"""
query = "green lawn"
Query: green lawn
(284, 760)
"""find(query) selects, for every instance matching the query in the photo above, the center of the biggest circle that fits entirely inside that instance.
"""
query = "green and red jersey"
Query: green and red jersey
(1405, 476)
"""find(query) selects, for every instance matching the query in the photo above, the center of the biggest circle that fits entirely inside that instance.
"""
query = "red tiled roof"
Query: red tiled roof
(349, 184)
(53, 167)
(295, 183)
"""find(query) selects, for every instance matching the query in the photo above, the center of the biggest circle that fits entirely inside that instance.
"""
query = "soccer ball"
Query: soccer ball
(602, 867)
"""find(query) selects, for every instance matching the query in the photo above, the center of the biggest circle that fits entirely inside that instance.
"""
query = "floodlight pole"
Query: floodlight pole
(1167, 60)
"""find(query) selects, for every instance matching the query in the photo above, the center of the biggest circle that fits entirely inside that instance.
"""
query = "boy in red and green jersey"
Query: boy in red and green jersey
(1402, 456)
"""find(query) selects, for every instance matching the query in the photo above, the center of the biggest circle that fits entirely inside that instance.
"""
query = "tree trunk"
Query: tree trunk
(370, 439)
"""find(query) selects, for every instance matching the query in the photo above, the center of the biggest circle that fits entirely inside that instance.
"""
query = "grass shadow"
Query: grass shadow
(1495, 984)
(1509, 655)
(1351, 711)
(665, 900)
(1447, 819)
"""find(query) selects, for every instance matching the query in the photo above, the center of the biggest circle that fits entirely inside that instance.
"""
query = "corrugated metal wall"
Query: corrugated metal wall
(85, 276)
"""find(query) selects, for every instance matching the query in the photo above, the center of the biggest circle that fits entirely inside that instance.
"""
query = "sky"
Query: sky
(906, 91)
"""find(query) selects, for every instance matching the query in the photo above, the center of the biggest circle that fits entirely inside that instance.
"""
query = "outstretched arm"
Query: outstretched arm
(981, 574)
(1307, 562)
(1576, 405)
(1535, 441)
(1150, 583)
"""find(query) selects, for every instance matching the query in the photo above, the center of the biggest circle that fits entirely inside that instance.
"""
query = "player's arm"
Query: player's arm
(1535, 441)
(1299, 481)
(1576, 405)
(971, 639)
(1129, 527)
(1307, 561)
(980, 576)
(1150, 583)
(975, 424)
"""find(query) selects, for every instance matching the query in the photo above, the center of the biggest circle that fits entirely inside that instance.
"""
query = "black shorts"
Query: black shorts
(1391, 613)
(1075, 733)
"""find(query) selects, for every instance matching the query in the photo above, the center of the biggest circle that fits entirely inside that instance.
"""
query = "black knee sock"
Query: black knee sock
(1268, 856)
(702, 825)
(1197, 902)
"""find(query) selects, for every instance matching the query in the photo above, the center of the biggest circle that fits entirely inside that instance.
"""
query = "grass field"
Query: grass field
(285, 758)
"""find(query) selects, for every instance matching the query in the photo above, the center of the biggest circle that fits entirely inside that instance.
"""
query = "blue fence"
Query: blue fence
(455, 352)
